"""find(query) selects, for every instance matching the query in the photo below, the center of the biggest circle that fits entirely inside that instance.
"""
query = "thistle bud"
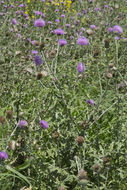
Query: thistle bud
(96, 167)
(96, 53)
(81, 76)
(80, 139)
(116, 6)
(61, 188)
(38, 147)
(7, 33)
(84, 125)
(83, 182)
(53, 52)
(89, 32)
(9, 114)
(55, 135)
(106, 160)
(2, 119)
(12, 145)
(100, 14)
(108, 75)
(44, 73)
(107, 41)
(82, 174)
(39, 76)
(36, 43)
(35, 142)
(42, 45)
(102, 22)
(111, 65)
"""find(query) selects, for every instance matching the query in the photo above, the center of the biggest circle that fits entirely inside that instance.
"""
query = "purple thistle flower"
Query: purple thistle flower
(59, 31)
(44, 124)
(79, 14)
(49, 22)
(81, 33)
(3, 155)
(117, 38)
(22, 123)
(82, 29)
(5, 6)
(39, 23)
(82, 41)
(117, 29)
(90, 102)
(121, 13)
(28, 39)
(62, 42)
(14, 21)
(37, 60)
(12, 6)
(57, 10)
(110, 29)
(38, 13)
(80, 67)
(26, 16)
(71, 37)
(62, 16)
(35, 52)
(67, 25)
(76, 22)
(33, 42)
(19, 35)
(57, 20)
(43, 15)
(121, 85)
(85, 11)
(19, 12)
(106, 6)
(92, 26)
(21, 5)
(96, 9)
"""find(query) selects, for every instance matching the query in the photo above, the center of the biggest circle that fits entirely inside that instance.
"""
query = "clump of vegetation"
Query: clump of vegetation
(63, 81)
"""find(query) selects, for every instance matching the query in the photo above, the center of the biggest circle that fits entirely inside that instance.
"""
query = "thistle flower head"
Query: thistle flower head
(92, 26)
(14, 21)
(39, 23)
(22, 123)
(2, 119)
(117, 29)
(90, 102)
(110, 29)
(35, 52)
(3, 155)
(44, 124)
(80, 67)
(37, 60)
(82, 174)
(82, 41)
(59, 31)
(62, 42)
